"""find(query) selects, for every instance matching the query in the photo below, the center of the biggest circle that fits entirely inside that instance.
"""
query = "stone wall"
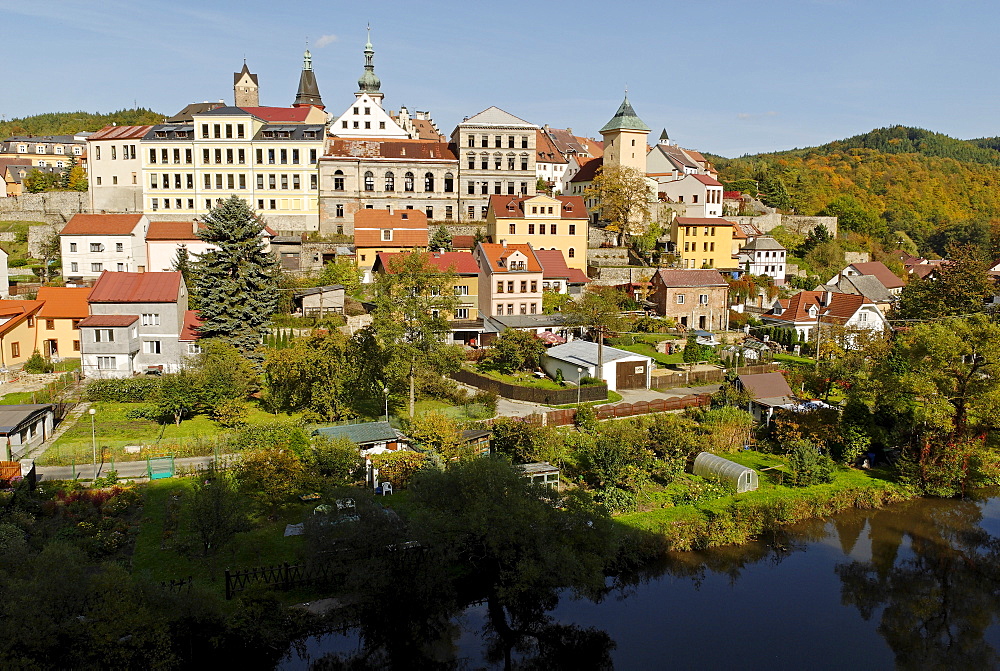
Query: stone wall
(612, 275)
(54, 207)
(37, 234)
(795, 223)
(608, 256)
(468, 228)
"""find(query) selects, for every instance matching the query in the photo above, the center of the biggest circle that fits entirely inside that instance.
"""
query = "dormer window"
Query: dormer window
(386, 235)
(404, 215)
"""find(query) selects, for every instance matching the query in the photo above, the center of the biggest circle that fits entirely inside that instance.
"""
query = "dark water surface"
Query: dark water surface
(915, 585)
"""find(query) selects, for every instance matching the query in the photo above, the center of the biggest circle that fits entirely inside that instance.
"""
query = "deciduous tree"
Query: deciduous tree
(622, 198)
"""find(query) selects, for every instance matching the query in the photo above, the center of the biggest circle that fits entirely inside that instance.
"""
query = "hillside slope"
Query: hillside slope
(66, 123)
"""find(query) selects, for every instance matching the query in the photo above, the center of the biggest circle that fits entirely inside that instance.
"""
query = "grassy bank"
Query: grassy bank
(731, 520)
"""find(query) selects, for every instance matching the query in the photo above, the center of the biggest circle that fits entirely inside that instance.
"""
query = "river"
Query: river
(914, 585)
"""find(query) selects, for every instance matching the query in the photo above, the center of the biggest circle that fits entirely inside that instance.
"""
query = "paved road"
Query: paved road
(128, 470)
(636, 395)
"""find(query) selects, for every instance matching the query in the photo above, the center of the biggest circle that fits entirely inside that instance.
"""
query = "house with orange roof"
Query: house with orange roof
(545, 222)
(466, 322)
(378, 231)
(559, 277)
(94, 243)
(58, 321)
(809, 311)
(692, 298)
(17, 331)
(135, 324)
(510, 279)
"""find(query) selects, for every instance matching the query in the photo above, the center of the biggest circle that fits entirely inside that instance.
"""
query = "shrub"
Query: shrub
(398, 467)
(809, 466)
(230, 413)
(486, 398)
(281, 434)
(150, 412)
(587, 381)
(585, 419)
(17, 263)
(123, 390)
(36, 363)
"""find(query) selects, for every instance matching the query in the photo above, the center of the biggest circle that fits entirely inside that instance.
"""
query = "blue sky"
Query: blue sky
(723, 77)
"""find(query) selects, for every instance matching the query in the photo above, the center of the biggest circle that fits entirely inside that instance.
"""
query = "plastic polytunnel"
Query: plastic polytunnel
(743, 478)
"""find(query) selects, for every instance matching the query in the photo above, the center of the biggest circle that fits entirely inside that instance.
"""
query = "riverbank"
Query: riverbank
(742, 518)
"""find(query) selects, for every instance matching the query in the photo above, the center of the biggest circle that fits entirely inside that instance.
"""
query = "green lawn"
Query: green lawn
(196, 436)
(523, 378)
(791, 358)
(645, 349)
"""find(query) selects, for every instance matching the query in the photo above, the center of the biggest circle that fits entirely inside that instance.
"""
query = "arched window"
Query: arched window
(429, 181)
(338, 180)
(408, 181)
(449, 183)
(390, 181)
(572, 253)
(369, 181)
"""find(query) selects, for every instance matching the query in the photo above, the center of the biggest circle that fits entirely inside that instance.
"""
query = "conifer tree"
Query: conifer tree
(236, 283)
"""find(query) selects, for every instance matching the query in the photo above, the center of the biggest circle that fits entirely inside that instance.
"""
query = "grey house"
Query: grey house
(24, 425)
(319, 301)
(135, 324)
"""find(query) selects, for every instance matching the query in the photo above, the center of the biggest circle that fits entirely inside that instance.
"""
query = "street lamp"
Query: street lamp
(385, 390)
(93, 438)
(579, 376)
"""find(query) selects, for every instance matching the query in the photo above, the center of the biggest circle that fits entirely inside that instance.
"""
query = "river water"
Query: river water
(914, 585)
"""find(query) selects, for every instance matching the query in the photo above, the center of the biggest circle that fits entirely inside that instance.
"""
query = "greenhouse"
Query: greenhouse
(743, 478)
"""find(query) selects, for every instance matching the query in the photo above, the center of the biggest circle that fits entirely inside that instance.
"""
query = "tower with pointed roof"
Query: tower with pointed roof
(246, 92)
(308, 93)
(369, 84)
(365, 118)
(625, 138)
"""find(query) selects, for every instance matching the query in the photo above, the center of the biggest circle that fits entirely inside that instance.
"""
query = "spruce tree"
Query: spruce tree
(441, 239)
(236, 283)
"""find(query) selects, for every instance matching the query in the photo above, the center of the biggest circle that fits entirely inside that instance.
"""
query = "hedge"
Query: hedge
(123, 390)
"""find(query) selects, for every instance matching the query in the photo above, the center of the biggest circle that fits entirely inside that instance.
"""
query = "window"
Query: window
(15, 349)
(150, 319)
(96, 247)
(284, 182)
(72, 246)
(270, 156)
(273, 204)
(680, 299)
(524, 142)
(96, 267)
(500, 287)
(510, 308)
(472, 190)
(151, 347)
(524, 286)
(534, 286)
(428, 181)
(74, 267)
(387, 235)
(449, 212)
(429, 212)
(499, 308)
(76, 345)
(702, 299)
(462, 291)
(572, 253)
(462, 313)
(485, 141)
(510, 286)
(408, 182)
(106, 363)
(104, 335)
(531, 229)
(572, 229)
(390, 181)
(121, 267)
(512, 229)
(119, 247)
(370, 181)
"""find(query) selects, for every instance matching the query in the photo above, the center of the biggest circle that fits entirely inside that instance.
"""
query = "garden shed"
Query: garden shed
(742, 477)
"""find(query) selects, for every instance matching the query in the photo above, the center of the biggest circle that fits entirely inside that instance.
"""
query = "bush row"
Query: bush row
(123, 390)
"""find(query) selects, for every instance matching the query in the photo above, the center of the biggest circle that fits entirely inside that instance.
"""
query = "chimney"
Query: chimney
(827, 298)
(504, 242)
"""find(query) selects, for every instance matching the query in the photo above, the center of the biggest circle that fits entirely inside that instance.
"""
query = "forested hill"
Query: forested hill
(67, 123)
(932, 187)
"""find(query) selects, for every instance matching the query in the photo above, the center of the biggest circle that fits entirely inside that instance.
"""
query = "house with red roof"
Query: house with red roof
(544, 222)
(135, 324)
(893, 284)
(378, 231)
(809, 311)
(58, 321)
(95, 243)
(510, 279)
(695, 299)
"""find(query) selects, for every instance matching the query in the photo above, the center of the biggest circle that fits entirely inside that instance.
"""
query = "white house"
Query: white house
(93, 243)
(808, 309)
(764, 256)
(577, 359)
(701, 194)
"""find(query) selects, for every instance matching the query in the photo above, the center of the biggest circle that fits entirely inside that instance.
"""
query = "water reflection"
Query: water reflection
(917, 584)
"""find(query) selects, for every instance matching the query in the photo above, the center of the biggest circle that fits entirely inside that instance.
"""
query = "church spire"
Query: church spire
(308, 93)
(369, 82)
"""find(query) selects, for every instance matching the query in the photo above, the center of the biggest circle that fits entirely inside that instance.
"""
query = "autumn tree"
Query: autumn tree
(514, 351)
(622, 198)
(959, 286)
(314, 375)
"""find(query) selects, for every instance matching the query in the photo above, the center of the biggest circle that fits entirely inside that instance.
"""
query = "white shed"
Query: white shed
(576, 359)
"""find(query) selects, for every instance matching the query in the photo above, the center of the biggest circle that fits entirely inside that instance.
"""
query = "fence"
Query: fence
(568, 416)
(598, 392)
(682, 379)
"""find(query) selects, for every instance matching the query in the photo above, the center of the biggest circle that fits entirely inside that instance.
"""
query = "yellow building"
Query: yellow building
(57, 331)
(701, 242)
(17, 331)
(266, 155)
(543, 222)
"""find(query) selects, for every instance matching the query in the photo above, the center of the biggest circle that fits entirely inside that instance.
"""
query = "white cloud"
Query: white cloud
(325, 40)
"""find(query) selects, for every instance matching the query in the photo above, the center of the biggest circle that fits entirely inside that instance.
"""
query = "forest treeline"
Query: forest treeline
(67, 123)
(935, 189)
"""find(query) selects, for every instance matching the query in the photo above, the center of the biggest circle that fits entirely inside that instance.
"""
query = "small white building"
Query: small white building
(93, 243)
(764, 256)
(578, 359)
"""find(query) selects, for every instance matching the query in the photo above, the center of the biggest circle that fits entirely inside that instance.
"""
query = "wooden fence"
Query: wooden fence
(597, 392)
(682, 379)
(568, 416)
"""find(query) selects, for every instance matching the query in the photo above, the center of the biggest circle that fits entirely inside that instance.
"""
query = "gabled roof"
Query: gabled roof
(766, 385)
(572, 207)
(187, 114)
(545, 150)
(588, 170)
(13, 417)
(881, 271)
(690, 278)
(841, 307)
(764, 243)
(361, 434)
(554, 267)
(584, 352)
(101, 224)
(63, 302)
(273, 114)
(463, 242)
(864, 285)
(409, 228)
(338, 147)
(189, 331)
(151, 287)
(237, 76)
(625, 119)
(494, 116)
(496, 256)
(108, 321)
(120, 133)
(707, 180)
(16, 311)
(460, 263)
(172, 230)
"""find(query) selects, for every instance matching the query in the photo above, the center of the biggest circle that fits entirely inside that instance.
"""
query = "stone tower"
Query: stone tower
(245, 90)
(625, 139)
(308, 93)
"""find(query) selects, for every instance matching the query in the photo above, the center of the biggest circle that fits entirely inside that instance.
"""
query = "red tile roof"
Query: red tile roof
(101, 224)
(572, 207)
(108, 321)
(707, 180)
(64, 302)
(554, 267)
(495, 253)
(840, 309)
(463, 242)
(189, 332)
(388, 149)
(120, 133)
(136, 287)
(546, 151)
(286, 114)
(16, 312)
(881, 273)
(460, 263)
(588, 170)
(409, 228)
(690, 278)
(172, 230)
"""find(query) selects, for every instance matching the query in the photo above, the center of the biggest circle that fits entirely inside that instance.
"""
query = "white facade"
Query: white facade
(160, 254)
(85, 257)
(764, 256)
(578, 359)
(701, 195)
(365, 118)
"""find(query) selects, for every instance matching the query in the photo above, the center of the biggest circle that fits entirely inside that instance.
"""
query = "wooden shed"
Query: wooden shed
(743, 478)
